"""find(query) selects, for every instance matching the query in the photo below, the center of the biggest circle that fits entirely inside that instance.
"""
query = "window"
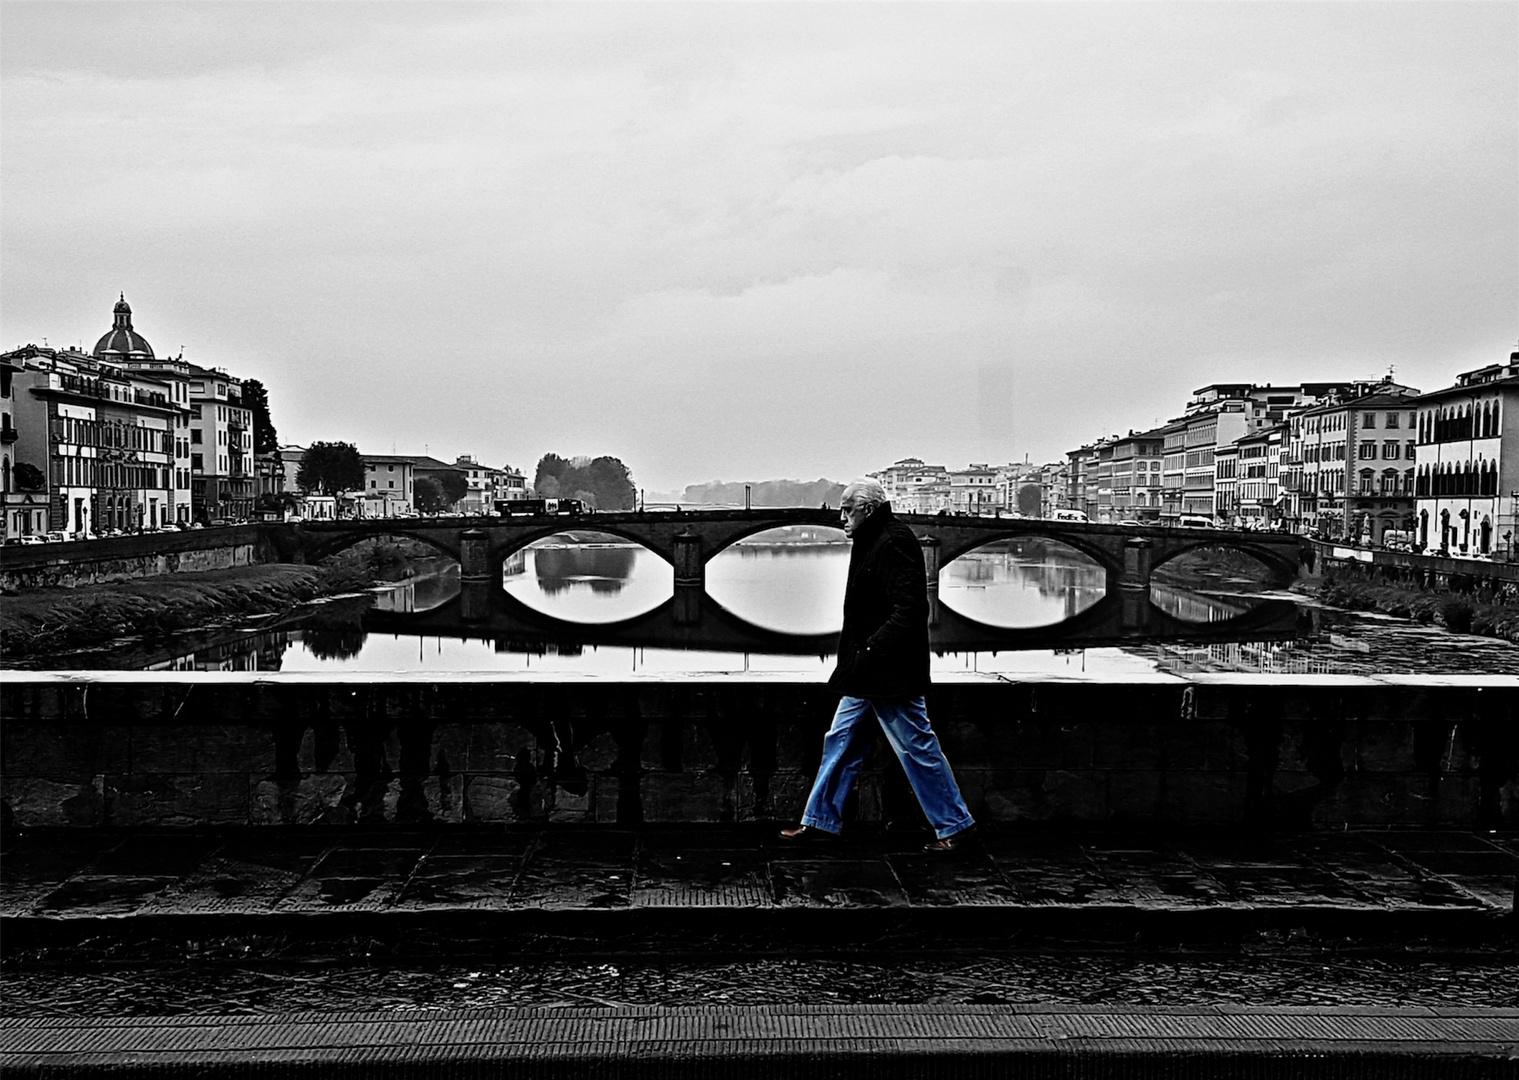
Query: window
(1390, 449)
(374, 483)
(390, 468)
(197, 463)
(195, 411)
(1369, 420)
(1392, 421)
(390, 484)
(195, 435)
(1408, 448)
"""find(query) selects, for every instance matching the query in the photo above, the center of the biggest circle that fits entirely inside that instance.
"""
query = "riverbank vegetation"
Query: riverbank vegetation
(36, 623)
(1462, 613)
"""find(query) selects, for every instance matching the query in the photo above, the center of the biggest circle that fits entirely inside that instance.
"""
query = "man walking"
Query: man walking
(883, 671)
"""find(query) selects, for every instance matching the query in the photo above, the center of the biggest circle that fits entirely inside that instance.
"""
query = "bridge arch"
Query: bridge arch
(520, 539)
(1282, 569)
(336, 542)
(956, 541)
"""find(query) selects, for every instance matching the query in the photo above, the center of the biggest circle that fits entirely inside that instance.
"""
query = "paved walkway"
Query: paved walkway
(741, 878)
(688, 887)
(862, 1041)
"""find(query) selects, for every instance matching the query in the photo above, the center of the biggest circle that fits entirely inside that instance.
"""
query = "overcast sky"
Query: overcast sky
(742, 242)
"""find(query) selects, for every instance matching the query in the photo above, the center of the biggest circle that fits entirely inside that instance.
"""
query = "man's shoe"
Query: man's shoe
(950, 844)
(806, 832)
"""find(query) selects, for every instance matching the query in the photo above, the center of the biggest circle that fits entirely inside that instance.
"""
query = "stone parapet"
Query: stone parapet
(169, 749)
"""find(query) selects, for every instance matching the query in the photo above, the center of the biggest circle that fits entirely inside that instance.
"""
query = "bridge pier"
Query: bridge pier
(1134, 616)
(1138, 560)
(690, 578)
(474, 555)
(474, 600)
(931, 567)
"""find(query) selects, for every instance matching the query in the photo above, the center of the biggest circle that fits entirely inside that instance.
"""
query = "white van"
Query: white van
(1194, 521)
(1070, 515)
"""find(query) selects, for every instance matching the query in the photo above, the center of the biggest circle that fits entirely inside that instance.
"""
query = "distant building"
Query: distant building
(99, 439)
(1348, 471)
(914, 487)
(217, 434)
(1259, 499)
(389, 481)
(975, 490)
(1467, 481)
(1134, 476)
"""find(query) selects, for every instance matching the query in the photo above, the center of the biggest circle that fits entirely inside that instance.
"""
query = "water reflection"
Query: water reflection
(594, 580)
(792, 587)
(794, 590)
(1022, 585)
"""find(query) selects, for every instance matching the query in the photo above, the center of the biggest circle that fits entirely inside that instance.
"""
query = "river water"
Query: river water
(797, 589)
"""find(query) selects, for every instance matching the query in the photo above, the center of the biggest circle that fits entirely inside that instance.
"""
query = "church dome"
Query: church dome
(121, 342)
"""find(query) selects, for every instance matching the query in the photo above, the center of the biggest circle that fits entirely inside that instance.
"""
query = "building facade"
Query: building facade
(100, 439)
(1348, 472)
(389, 481)
(1259, 497)
(1467, 468)
(914, 487)
(1135, 482)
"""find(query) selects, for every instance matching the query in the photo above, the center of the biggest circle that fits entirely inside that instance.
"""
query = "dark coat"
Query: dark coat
(883, 648)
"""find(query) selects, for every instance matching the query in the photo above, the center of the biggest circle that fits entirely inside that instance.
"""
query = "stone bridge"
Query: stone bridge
(689, 539)
(691, 619)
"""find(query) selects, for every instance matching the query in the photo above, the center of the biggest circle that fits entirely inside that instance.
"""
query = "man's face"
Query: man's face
(853, 515)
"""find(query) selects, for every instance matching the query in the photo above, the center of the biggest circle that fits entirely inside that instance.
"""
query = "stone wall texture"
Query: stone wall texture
(120, 558)
(136, 751)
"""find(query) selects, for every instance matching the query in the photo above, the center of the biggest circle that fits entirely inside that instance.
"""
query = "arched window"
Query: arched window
(1366, 475)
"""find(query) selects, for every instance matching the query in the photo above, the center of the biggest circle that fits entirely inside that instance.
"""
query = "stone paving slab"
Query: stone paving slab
(865, 1040)
(56, 875)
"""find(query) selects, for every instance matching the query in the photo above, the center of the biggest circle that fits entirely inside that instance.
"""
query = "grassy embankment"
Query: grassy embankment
(1462, 613)
(37, 622)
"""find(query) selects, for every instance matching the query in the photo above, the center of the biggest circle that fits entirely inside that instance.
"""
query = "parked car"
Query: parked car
(23, 541)
(55, 537)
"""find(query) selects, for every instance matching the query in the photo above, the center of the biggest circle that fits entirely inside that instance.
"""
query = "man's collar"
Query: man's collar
(878, 520)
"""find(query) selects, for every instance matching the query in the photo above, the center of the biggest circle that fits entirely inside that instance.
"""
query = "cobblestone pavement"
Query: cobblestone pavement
(1349, 951)
(687, 877)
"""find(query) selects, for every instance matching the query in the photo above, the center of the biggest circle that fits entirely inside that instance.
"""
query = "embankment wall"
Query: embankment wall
(120, 558)
(163, 749)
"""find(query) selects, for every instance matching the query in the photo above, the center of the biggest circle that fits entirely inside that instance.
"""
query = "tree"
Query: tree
(331, 468)
(550, 465)
(427, 493)
(27, 476)
(454, 484)
(256, 399)
(606, 479)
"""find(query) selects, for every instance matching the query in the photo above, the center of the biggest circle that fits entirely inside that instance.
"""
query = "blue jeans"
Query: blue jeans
(905, 721)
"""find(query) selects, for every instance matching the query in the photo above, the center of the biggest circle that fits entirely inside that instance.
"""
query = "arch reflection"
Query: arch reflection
(790, 580)
(1022, 583)
(587, 577)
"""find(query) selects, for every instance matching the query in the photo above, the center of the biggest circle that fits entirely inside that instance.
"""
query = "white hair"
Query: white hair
(866, 493)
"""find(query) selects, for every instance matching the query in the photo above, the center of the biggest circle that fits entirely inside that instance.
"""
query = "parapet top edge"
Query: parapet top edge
(485, 678)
